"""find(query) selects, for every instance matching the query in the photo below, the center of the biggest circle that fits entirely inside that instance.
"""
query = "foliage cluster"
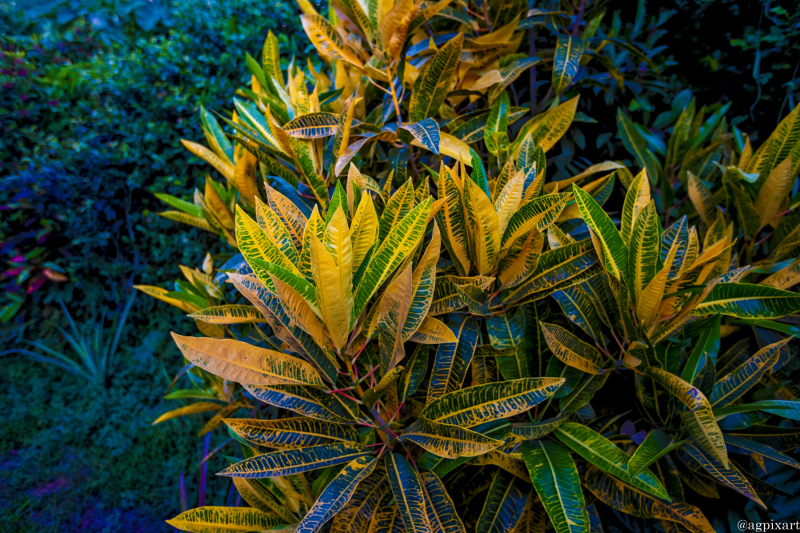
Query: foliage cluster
(429, 330)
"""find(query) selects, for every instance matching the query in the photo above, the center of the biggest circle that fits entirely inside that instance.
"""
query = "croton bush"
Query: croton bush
(421, 332)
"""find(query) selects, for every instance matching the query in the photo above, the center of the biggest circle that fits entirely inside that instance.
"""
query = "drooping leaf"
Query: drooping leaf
(312, 126)
(744, 300)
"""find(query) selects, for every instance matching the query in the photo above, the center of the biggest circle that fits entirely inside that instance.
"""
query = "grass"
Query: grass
(80, 458)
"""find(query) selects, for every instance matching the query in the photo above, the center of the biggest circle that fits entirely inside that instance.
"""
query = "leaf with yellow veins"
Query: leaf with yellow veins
(484, 225)
(191, 409)
(508, 201)
(701, 198)
(398, 245)
(650, 300)
(315, 226)
(271, 223)
(774, 190)
(392, 316)
(571, 350)
(636, 199)
(254, 243)
(299, 311)
(327, 42)
(223, 167)
(448, 440)
(363, 230)
(244, 177)
(699, 420)
(217, 207)
(521, 259)
(394, 25)
(433, 331)
(334, 285)
(451, 218)
(244, 363)
(227, 519)
(289, 214)
(423, 279)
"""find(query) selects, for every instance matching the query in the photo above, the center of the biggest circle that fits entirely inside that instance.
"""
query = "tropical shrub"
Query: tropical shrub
(550, 319)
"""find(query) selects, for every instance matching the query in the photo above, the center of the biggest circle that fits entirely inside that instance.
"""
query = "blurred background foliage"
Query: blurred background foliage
(95, 97)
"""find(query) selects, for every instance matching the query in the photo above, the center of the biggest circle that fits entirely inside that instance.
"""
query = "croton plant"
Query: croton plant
(428, 335)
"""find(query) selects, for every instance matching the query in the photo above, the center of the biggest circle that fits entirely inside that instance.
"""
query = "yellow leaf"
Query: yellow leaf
(314, 226)
(244, 363)
(509, 199)
(394, 25)
(291, 216)
(364, 229)
(484, 225)
(224, 168)
(774, 190)
(650, 300)
(199, 407)
(333, 278)
(300, 311)
(327, 42)
(392, 316)
(244, 177)
(433, 331)
(224, 519)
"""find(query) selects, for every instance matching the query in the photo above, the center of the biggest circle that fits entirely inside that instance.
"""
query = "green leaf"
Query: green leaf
(537, 430)
(187, 207)
(228, 519)
(504, 505)
(606, 456)
(426, 131)
(415, 371)
(744, 300)
(656, 445)
(408, 493)
(556, 481)
(297, 432)
(337, 494)
(288, 462)
(433, 83)
(637, 146)
(614, 250)
(476, 405)
(566, 61)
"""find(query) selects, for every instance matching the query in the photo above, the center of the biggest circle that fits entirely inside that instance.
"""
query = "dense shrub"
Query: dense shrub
(431, 330)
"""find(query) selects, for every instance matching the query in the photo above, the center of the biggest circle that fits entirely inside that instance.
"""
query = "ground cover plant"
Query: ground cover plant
(423, 331)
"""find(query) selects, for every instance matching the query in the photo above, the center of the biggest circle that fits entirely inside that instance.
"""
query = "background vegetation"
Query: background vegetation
(95, 97)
